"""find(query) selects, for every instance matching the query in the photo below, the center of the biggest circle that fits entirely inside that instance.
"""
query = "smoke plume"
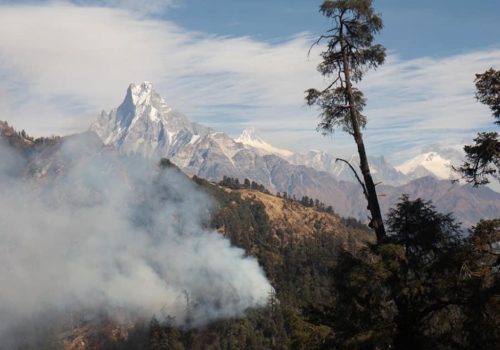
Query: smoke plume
(85, 229)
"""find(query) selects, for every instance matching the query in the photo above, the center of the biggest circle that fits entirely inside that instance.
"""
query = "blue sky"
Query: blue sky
(412, 28)
(235, 64)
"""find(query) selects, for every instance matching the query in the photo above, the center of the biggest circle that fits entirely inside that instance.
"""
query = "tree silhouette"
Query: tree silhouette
(349, 52)
(483, 157)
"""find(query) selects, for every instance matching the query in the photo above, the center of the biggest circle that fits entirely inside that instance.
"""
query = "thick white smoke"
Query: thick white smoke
(84, 229)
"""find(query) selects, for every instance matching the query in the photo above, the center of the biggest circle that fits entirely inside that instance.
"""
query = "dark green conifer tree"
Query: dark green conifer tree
(483, 157)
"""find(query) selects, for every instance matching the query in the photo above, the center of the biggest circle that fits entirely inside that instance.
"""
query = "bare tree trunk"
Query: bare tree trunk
(373, 206)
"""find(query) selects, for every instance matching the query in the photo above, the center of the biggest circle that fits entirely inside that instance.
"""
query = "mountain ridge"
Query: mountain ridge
(160, 128)
(145, 125)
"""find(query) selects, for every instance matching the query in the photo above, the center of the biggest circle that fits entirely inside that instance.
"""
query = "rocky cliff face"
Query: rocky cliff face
(144, 124)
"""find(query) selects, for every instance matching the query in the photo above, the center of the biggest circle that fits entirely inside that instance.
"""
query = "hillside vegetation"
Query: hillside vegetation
(297, 247)
(424, 286)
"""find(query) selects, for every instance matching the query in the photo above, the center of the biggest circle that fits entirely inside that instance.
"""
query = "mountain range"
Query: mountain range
(144, 124)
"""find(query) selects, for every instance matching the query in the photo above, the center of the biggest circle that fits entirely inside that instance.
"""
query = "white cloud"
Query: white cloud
(140, 7)
(61, 64)
(428, 100)
(150, 7)
(91, 54)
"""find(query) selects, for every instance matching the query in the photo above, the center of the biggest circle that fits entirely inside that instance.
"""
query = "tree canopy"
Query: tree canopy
(425, 287)
(483, 157)
(350, 52)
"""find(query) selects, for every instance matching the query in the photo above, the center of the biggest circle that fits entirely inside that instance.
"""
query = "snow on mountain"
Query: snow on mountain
(381, 170)
(427, 163)
(438, 163)
(144, 124)
(433, 163)
(323, 161)
(250, 137)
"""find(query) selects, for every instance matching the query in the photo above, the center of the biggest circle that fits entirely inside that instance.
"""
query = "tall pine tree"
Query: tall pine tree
(349, 52)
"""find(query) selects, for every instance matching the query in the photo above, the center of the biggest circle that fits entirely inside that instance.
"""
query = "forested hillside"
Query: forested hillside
(297, 246)
(144, 228)
(425, 287)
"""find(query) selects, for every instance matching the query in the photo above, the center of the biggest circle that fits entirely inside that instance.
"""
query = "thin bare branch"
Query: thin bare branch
(329, 86)
(355, 174)
(318, 41)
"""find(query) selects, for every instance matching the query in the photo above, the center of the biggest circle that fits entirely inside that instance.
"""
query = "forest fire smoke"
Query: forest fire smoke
(91, 230)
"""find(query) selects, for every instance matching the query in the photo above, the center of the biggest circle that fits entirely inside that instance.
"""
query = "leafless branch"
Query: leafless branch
(329, 86)
(318, 41)
(355, 174)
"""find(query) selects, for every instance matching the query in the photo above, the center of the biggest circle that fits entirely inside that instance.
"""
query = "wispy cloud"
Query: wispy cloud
(428, 100)
(93, 53)
(141, 7)
(148, 7)
(60, 64)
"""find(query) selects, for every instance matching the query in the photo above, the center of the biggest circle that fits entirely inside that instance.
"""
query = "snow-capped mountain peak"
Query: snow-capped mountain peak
(141, 93)
(145, 124)
(250, 137)
(432, 162)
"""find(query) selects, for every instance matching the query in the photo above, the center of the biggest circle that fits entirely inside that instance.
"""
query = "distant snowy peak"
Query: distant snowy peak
(141, 94)
(144, 124)
(430, 162)
(250, 137)
(142, 100)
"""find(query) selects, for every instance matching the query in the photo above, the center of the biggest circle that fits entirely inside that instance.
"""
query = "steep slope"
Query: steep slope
(297, 247)
(291, 221)
(15, 139)
(144, 124)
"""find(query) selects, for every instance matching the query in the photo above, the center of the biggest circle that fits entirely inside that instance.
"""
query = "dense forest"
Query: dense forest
(425, 286)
